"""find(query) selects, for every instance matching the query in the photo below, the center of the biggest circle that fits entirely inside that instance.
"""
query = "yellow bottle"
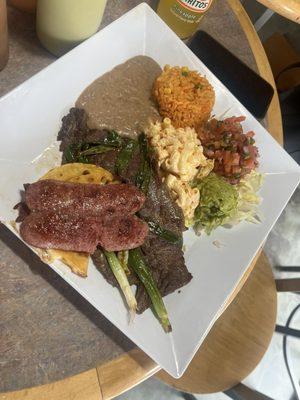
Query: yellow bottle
(62, 24)
(183, 16)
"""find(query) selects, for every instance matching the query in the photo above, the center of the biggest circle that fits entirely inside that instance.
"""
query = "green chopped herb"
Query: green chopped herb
(230, 148)
(246, 156)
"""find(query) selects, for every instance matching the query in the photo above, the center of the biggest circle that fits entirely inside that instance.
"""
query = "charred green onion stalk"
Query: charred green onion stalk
(121, 277)
(144, 174)
(96, 150)
(125, 156)
(165, 234)
(137, 263)
(123, 256)
(79, 152)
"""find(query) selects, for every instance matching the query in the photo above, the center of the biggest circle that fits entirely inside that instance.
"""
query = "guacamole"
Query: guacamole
(218, 199)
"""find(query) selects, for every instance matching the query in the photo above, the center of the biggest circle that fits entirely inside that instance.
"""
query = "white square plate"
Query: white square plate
(30, 118)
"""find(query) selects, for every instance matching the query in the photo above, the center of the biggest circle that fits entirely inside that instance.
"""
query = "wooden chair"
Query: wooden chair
(238, 339)
(242, 392)
(204, 373)
(288, 8)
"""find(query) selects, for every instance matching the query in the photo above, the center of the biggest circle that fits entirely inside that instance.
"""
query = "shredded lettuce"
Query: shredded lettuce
(248, 200)
(245, 209)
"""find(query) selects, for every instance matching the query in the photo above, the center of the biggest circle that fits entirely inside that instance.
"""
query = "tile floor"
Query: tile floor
(283, 249)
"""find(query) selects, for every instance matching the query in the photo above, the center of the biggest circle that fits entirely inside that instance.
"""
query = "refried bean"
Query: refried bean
(121, 99)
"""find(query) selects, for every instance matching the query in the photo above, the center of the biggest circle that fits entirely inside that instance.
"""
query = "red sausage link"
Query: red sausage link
(63, 232)
(122, 233)
(51, 230)
(83, 198)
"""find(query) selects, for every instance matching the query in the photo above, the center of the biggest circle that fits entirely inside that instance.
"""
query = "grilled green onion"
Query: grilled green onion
(165, 234)
(139, 266)
(125, 156)
(72, 154)
(144, 177)
(96, 150)
(121, 277)
(78, 152)
(144, 174)
(123, 258)
(69, 155)
(113, 139)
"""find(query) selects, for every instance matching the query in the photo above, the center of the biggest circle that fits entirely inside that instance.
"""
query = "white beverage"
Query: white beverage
(62, 24)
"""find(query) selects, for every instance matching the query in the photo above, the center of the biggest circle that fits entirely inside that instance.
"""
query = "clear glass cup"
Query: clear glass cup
(3, 35)
(62, 24)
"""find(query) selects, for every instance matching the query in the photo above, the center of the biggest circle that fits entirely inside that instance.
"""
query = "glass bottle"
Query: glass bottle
(3, 35)
(183, 16)
(62, 24)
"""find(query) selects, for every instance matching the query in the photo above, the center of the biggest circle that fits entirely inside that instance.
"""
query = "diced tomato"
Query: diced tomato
(249, 163)
(233, 151)
(227, 157)
(217, 144)
(234, 119)
(219, 154)
(235, 159)
(236, 170)
(227, 168)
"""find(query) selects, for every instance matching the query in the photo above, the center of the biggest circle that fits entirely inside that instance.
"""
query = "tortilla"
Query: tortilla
(80, 173)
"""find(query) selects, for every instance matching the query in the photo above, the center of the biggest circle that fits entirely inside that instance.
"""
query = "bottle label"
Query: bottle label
(196, 5)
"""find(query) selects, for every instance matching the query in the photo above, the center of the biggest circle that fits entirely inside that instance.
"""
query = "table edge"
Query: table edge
(141, 366)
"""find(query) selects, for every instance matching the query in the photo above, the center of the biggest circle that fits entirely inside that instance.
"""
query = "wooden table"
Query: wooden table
(48, 332)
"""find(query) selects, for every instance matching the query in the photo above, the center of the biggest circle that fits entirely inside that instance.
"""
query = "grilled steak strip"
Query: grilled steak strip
(83, 199)
(52, 230)
(165, 260)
